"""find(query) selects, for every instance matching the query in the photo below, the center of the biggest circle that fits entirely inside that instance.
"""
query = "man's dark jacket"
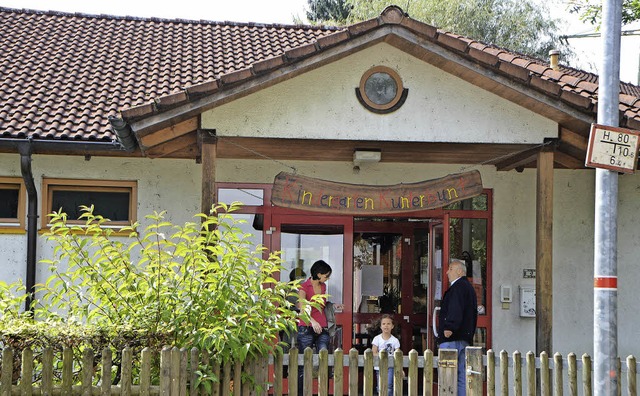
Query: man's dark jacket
(458, 312)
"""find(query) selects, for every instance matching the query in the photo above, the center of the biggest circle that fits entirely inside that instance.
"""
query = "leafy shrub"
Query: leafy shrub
(201, 284)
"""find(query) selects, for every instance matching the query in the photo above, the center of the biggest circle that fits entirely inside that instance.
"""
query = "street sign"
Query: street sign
(613, 148)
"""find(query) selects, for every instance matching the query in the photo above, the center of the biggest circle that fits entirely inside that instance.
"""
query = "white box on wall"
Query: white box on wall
(527, 301)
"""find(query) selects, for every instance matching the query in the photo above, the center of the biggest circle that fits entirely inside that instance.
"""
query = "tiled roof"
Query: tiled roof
(62, 75)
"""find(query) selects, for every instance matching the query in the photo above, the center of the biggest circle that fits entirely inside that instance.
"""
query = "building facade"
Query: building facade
(177, 115)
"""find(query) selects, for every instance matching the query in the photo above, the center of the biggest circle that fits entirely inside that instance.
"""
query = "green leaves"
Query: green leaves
(201, 284)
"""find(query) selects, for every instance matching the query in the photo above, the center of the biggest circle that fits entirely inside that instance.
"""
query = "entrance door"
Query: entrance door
(392, 272)
(305, 239)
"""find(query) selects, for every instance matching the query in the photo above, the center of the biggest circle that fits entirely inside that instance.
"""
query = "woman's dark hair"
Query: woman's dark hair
(319, 267)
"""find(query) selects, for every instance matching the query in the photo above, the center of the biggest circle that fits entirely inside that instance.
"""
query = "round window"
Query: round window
(381, 89)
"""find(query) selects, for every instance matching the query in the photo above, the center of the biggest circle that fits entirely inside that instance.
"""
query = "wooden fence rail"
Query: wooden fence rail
(182, 372)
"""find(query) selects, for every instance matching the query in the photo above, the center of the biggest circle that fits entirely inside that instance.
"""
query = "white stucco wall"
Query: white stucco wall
(171, 185)
(321, 104)
(174, 185)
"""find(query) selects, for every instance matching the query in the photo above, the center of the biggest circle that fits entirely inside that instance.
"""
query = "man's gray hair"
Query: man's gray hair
(462, 264)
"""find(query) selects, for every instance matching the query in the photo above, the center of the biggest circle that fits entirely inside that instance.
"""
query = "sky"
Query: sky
(284, 11)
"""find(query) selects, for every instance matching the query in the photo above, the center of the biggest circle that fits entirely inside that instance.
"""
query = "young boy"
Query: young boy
(386, 342)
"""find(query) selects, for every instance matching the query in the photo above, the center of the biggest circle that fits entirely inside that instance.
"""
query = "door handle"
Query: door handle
(433, 321)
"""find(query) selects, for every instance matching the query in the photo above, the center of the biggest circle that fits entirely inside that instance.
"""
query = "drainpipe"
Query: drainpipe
(25, 151)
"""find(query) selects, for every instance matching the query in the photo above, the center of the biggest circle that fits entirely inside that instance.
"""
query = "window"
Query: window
(115, 200)
(12, 203)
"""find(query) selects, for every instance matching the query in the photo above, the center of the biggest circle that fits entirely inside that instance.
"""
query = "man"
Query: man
(458, 317)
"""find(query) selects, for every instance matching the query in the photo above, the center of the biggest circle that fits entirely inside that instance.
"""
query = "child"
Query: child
(386, 342)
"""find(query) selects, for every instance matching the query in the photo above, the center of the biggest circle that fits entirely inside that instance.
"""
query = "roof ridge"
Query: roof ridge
(168, 20)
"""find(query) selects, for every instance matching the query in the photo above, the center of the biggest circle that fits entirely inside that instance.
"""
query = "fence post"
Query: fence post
(338, 371)
(491, 373)
(427, 383)
(545, 380)
(165, 371)
(175, 372)
(87, 372)
(107, 362)
(504, 373)
(573, 374)
(447, 372)
(323, 372)
(26, 376)
(307, 381)
(145, 373)
(398, 372)
(517, 373)
(473, 361)
(7, 371)
(293, 371)
(558, 386)
(531, 374)
(586, 375)
(412, 382)
(126, 363)
(67, 371)
(631, 376)
(383, 367)
(353, 372)
(367, 376)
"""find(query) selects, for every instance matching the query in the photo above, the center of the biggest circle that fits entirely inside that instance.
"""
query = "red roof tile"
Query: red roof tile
(63, 75)
(69, 72)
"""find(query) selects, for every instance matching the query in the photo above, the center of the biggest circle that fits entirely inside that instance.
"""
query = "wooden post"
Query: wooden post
(208, 145)
(544, 250)
(447, 372)
(473, 357)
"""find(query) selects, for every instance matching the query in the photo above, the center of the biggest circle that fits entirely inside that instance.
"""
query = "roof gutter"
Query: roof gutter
(41, 146)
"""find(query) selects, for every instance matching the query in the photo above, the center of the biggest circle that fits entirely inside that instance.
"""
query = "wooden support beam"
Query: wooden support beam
(573, 139)
(208, 154)
(169, 133)
(544, 251)
(520, 159)
(172, 146)
(568, 161)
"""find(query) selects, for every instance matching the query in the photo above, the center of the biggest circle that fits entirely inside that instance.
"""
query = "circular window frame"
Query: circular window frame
(393, 103)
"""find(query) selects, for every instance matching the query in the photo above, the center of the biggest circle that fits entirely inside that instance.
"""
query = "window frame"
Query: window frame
(50, 185)
(15, 225)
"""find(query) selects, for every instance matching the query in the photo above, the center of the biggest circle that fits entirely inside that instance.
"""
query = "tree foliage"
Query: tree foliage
(322, 11)
(518, 25)
(591, 11)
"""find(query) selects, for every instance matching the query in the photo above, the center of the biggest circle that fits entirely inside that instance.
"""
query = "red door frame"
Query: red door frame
(342, 318)
(406, 229)
(345, 318)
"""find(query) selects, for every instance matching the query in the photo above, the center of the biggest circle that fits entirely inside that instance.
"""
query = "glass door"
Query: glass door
(302, 240)
(392, 271)
(436, 279)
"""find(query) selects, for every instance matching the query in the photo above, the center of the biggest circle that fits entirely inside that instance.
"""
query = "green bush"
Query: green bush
(201, 284)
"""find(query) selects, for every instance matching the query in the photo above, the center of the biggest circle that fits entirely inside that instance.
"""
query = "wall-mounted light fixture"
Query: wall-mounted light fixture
(366, 156)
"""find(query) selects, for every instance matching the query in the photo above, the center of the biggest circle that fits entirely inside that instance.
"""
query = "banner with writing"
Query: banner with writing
(306, 193)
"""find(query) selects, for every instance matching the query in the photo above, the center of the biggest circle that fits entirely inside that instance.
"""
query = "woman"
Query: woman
(315, 331)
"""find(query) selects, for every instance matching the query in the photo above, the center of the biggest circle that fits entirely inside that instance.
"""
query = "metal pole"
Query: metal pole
(605, 285)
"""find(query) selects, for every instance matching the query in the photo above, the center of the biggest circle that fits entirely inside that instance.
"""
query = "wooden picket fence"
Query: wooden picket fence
(181, 372)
